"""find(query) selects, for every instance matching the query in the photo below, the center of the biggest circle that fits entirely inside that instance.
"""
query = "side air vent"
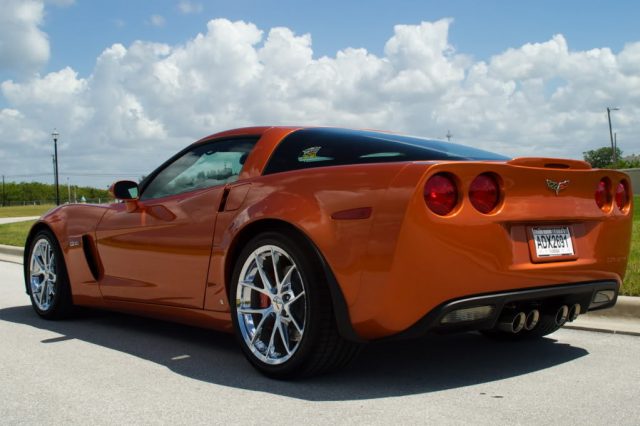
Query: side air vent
(91, 255)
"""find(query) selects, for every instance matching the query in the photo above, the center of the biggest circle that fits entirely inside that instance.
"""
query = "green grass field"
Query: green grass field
(19, 211)
(631, 286)
(15, 234)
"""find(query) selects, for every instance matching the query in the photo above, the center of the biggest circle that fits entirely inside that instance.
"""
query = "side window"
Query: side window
(203, 166)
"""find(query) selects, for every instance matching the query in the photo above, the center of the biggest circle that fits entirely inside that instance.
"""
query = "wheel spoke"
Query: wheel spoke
(286, 280)
(254, 288)
(275, 270)
(261, 271)
(274, 336)
(295, 324)
(296, 297)
(284, 336)
(258, 330)
(259, 311)
(270, 347)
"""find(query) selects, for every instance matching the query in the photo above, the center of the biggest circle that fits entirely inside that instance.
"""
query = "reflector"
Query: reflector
(467, 314)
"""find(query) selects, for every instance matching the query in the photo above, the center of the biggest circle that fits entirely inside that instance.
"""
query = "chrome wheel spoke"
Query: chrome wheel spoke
(286, 280)
(258, 330)
(296, 297)
(272, 327)
(259, 311)
(42, 270)
(254, 288)
(274, 263)
(284, 336)
(262, 273)
(295, 324)
(271, 347)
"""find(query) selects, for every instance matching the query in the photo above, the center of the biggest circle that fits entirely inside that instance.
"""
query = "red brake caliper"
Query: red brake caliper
(264, 301)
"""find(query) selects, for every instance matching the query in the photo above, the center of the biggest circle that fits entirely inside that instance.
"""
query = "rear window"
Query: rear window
(309, 148)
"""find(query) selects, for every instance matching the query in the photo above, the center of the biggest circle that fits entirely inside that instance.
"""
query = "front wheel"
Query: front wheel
(282, 310)
(46, 277)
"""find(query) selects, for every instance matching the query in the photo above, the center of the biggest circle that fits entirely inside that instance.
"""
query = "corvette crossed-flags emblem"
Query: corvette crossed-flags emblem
(557, 186)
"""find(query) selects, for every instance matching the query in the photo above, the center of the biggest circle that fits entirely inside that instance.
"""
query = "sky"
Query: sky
(129, 83)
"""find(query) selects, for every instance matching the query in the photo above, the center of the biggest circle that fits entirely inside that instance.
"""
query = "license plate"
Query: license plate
(552, 242)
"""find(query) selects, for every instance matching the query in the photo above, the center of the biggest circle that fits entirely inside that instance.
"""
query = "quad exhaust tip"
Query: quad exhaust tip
(532, 320)
(513, 322)
(574, 311)
(562, 315)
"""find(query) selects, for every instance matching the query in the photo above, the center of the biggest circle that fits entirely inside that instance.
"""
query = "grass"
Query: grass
(30, 210)
(631, 286)
(15, 234)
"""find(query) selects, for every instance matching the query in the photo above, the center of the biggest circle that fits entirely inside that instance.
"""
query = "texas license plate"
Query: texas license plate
(551, 242)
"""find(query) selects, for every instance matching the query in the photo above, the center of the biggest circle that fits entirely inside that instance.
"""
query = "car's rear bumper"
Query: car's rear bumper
(541, 298)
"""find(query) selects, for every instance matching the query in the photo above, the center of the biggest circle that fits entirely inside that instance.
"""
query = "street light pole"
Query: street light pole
(55, 135)
(613, 147)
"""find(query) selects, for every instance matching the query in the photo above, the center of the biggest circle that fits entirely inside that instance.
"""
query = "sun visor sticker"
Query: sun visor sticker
(309, 154)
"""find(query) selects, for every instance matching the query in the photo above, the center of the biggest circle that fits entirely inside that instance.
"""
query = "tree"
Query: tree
(601, 157)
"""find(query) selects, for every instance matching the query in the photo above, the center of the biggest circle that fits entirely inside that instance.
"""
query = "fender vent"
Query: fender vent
(91, 256)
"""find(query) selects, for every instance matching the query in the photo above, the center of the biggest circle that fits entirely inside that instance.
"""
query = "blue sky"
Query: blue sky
(79, 33)
(128, 83)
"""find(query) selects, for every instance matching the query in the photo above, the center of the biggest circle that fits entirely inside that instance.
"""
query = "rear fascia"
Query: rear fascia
(438, 259)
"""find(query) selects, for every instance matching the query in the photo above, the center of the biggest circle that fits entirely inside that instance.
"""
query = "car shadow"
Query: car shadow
(384, 369)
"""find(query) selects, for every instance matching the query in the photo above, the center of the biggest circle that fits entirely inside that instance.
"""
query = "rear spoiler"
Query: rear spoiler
(549, 163)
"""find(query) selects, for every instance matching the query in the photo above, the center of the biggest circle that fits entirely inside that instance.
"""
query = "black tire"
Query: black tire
(304, 310)
(57, 304)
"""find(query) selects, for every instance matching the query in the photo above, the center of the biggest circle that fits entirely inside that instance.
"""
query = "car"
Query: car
(308, 242)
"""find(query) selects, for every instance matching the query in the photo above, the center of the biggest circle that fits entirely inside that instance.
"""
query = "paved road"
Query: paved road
(107, 368)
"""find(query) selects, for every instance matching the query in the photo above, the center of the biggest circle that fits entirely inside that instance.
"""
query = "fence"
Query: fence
(634, 175)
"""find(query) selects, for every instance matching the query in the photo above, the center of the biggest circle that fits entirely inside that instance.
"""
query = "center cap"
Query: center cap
(278, 303)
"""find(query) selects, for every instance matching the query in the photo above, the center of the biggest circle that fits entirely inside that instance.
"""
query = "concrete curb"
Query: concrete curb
(11, 250)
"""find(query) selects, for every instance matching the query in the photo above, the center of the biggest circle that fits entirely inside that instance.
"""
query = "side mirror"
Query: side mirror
(126, 190)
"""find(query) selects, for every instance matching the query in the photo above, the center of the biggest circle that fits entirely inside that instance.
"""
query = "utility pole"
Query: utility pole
(2, 190)
(613, 147)
(68, 191)
(55, 135)
(448, 135)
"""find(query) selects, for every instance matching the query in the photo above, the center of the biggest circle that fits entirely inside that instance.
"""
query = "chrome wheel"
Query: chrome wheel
(271, 305)
(42, 274)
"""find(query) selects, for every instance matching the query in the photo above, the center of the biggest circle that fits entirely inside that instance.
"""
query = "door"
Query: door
(159, 252)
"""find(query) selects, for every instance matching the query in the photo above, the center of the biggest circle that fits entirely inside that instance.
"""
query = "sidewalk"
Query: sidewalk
(624, 318)
(4, 220)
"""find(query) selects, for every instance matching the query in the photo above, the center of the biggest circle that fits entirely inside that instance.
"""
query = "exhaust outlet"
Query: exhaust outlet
(512, 322)
(574, 311)
(562, 314)
(532, 320)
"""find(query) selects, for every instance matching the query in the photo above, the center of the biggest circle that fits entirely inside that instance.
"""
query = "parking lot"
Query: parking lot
(109, 368)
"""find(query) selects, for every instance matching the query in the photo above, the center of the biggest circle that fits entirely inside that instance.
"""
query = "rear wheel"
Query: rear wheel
(282, 310)
(46, 277)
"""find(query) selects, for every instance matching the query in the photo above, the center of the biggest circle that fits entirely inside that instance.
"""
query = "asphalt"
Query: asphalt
(624, 318)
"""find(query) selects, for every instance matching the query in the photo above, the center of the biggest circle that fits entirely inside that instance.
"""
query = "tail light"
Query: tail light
(622, 194)
(441, 193)
(603, 193)
(484, 192)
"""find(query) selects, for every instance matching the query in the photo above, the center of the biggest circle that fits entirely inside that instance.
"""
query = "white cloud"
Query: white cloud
(23, 46)
(187, 7)
(157, 20)
(145, 101)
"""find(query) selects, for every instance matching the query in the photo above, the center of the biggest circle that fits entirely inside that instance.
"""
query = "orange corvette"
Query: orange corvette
(307, 242)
